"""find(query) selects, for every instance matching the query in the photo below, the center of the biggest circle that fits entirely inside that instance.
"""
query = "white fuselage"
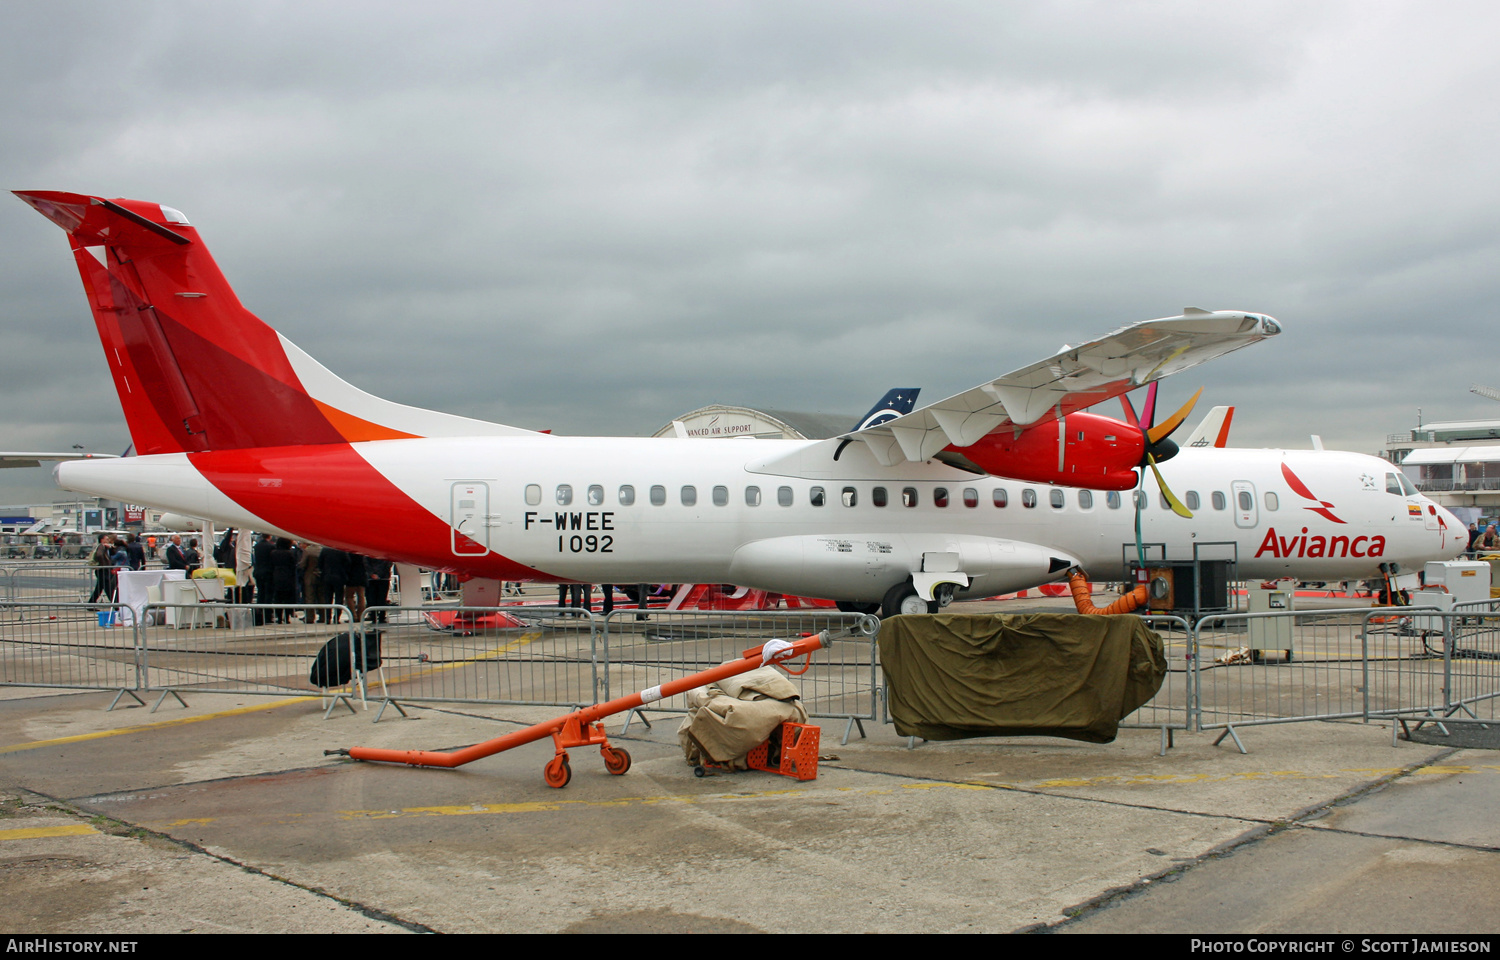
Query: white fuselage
(757, 513)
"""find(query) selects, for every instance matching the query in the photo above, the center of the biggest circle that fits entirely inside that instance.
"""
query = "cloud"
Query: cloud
(593, 217)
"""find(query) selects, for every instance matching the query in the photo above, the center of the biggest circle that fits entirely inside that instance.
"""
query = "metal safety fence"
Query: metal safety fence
(68, 645)
(265, 650)
(1172, 707)
(54, 580)
(1228, 671)
(545, 656)
(842, 681)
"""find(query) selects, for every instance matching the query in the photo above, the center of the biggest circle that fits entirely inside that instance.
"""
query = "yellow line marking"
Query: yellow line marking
(31, 833)
(37, 744)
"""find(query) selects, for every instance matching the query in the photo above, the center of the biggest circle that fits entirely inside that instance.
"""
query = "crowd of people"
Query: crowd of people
(270, 570)
(288, 573)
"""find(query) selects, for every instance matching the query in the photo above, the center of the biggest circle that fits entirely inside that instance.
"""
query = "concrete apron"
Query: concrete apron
(244, 825)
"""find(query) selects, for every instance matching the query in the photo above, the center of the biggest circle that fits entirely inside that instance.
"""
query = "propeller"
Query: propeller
(1159, 446)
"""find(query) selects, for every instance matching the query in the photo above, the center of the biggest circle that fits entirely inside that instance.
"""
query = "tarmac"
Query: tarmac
(226, 816)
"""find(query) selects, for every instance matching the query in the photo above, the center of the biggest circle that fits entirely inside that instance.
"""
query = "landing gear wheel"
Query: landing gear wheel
(699, 772)
(557, 773)
(855, 606)
(616, 760)
(903, 599)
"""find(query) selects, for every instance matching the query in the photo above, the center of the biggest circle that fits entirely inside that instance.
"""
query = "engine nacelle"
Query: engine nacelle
(1082, 450)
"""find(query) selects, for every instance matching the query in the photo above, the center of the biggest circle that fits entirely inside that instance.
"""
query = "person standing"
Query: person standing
(333, 564)
(99, 561)
(176, 559)
(378, 586)
(283, 580)
(136, 552)
(355, 578)
(313, 593)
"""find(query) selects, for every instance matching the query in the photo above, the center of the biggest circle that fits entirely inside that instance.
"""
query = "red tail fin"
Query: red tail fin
(194, 369)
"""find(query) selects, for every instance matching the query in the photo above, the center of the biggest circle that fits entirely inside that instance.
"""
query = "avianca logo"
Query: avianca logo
(1323, 508)
(1301, 545)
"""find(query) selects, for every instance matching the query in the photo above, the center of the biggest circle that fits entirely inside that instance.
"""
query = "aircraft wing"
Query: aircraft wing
(12, 459)
(1072, 379)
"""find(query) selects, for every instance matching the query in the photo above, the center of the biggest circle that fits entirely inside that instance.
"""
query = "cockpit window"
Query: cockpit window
(1392, 485)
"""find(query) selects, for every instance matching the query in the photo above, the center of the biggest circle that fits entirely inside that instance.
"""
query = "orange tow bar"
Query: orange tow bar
(582, 728)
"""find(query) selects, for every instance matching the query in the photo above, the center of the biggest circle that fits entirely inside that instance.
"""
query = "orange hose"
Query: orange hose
(1083, 598)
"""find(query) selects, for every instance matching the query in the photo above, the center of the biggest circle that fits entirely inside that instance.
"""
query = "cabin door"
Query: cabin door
(469, 517)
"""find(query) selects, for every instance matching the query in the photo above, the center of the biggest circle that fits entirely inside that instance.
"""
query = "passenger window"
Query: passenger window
(850, 496)
(752, 496)
(1247, 503)
(1056, 499)
(1000, 496)
(1112, 499)
(877, 496)
(1139, 499)
(1272, 501)
(596, 495)
(1085, 500)
(658, 495)
(815, 496)
(1219, 500)
(1192, 500)
(1165, 503)
(971, 497)
(689, 496)
(627, 495)
(564, 494)
(784, 496)
(940, 497)
(908, 496)
(721, 496)
(1028, 498)
(533, 494)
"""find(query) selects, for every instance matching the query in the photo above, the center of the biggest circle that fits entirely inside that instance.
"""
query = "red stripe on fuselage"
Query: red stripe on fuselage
(328, 493)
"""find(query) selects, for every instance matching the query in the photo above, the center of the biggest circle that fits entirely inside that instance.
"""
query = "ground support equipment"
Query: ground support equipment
(582, 728)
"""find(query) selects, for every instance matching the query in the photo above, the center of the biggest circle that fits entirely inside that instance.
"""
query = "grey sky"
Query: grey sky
(593, 217)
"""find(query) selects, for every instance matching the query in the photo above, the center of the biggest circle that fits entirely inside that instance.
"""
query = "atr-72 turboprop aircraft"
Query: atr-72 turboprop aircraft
(231, 421)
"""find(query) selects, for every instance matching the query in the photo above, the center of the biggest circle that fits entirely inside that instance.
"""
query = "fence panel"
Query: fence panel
(1472, 664)
(78, 646)
(1404, 669)
(649, 649)
(1281, 667)
(236, 648)
(517, 654)
(1172, 706)
(57, 581)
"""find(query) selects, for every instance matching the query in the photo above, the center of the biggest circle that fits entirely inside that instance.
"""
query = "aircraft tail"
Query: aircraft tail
(896, 402)
(1213, 431)
(193, 368)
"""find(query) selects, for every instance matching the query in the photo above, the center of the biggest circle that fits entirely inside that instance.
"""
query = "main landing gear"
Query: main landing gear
(903, 599)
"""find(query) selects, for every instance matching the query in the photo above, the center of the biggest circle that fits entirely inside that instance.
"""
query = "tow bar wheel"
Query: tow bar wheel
(557, 773)
(616, 760)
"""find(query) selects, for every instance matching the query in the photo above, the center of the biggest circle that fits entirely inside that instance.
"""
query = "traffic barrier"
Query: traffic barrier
(1289, 666)
(651, 649)
(69, 645)
(1172, 707)
(545, 656)
(253, 649)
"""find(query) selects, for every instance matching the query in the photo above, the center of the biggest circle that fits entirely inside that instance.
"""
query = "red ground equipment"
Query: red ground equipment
(582, 728)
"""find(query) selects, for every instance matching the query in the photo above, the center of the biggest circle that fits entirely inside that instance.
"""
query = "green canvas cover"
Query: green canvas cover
(954, 676)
